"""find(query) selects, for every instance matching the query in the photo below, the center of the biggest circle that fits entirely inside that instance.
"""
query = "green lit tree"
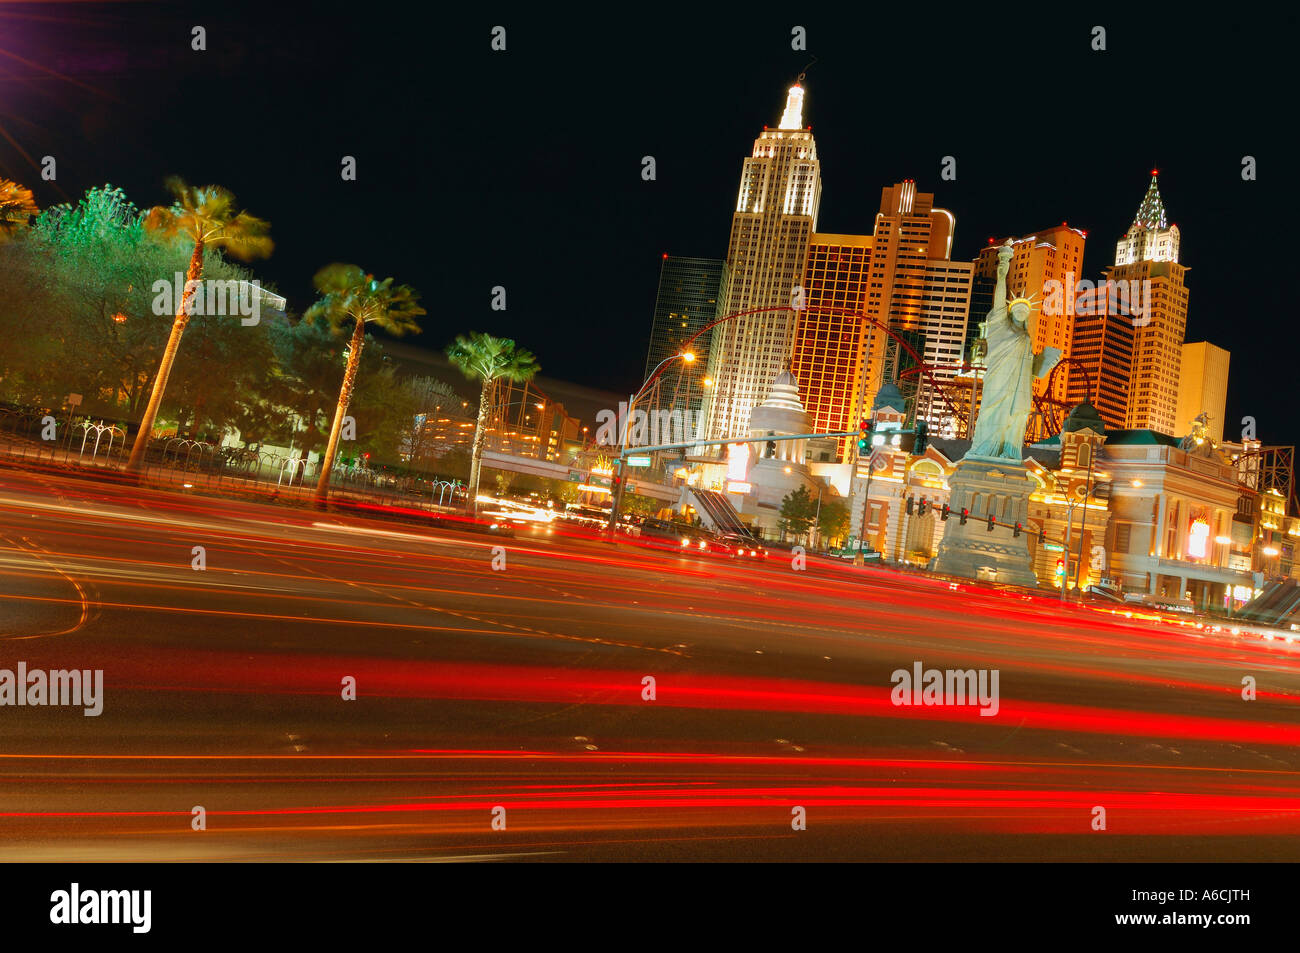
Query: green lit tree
(349, 294)
(798, 510)
(488, 359)
(832, 521)
(204, 217)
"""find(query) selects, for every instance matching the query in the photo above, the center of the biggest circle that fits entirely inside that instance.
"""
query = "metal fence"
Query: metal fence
(36, 437)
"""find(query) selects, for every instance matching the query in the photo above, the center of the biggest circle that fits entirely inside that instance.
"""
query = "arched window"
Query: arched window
(1084, 454)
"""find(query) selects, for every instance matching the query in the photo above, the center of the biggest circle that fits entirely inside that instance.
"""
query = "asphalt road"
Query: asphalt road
(507, 713)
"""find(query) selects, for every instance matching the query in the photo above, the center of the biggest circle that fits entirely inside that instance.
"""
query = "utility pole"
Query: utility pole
(858, 557)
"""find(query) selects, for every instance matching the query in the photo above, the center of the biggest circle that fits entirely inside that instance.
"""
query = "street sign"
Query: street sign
(74, 400)
(639, 461)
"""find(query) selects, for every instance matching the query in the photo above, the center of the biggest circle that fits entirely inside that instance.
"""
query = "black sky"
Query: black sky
(522, 168)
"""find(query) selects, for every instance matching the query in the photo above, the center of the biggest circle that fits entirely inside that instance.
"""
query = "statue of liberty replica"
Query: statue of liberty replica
(992, 480)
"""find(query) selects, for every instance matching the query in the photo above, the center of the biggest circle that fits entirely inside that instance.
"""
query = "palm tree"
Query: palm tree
(487, 359)
(17, 206)
(349, 294)
(207, 217)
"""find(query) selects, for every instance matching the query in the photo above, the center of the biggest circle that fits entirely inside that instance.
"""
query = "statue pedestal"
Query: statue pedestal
(984, 487)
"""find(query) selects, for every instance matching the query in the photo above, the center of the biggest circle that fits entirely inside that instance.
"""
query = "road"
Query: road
(583, 700)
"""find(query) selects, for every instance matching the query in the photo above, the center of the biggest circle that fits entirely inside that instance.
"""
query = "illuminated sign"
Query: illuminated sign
(738, 486)
(1198, 538)
(641, 461)
(738, 463)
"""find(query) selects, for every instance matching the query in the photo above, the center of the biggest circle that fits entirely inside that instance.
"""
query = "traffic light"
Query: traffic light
(964, 513)
(910, 506)
(922, 438)
(1060, 567)
(992, 522)
(943, 513)
(1016, 530)
(921, 507)
(771, 449)
(1042, 536)
(864, 438)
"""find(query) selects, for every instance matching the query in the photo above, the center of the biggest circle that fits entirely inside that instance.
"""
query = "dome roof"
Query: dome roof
(782, 412)
(1084, 417)
(889, 396)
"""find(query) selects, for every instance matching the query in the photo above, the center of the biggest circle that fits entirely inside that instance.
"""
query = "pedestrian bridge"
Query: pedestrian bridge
(563, 471)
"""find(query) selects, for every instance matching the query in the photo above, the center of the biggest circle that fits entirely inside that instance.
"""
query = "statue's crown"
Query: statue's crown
(1026, 300)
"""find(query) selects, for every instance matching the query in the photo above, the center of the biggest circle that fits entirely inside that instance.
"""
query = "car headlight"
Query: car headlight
(685, 541)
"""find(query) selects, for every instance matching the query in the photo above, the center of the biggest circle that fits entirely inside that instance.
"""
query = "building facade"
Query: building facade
(830, 342)
(1203, 388)
(916, 289)
(1148, 274)
(690, 290)
(773, 222)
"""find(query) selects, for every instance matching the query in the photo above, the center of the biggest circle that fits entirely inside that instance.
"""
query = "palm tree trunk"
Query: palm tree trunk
(192, 276)
(476, 457)
(345, 398)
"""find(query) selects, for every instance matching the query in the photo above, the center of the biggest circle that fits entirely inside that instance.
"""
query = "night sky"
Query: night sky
(522, 168)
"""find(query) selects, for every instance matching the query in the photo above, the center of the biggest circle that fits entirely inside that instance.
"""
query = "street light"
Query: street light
(1089, 489)
(687, 357)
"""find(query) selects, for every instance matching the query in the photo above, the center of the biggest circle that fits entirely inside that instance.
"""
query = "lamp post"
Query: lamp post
(818, 515)
(686, 356)
(1089, 489)
(877, 440)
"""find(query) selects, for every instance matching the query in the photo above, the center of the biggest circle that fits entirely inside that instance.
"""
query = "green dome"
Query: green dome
(1084, 417)
(889, 396)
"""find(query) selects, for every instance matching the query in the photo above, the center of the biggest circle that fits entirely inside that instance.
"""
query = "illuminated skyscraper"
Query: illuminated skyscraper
(1101, 339)
(1150, 237)
(689, 292)
(915, 288)
(1129, 330)
(1146, 263)
(829, 344)
(775, 215)
(900, 276)
(1202, 388)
